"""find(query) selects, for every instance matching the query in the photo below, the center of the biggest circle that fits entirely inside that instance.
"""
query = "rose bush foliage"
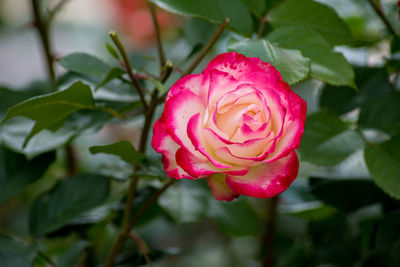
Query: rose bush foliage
(237, 123)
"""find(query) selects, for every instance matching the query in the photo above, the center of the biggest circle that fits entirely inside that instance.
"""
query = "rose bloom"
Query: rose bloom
(237, 123)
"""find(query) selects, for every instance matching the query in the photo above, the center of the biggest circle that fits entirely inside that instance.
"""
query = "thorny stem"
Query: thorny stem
(142, 247)
(269, 236)
(378, 10)
(207, 47)
(43, 29)
(158, 34)
(128, 67)
(126, 224)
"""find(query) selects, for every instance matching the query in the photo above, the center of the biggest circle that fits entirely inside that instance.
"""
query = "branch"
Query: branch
(378, 10)
(157, 30)
(207, 47)
(142, 247)
(260, 31)
(269, 236)
(43, 30)
(128, 67)
(149, 202)
(55, 10)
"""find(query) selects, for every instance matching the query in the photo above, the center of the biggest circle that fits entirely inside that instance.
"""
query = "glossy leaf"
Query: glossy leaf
(371, 83)
(327, 140)
(69, 258)
(85, 64)
(122, 149)
(185, 202)
(66, 201)
(382, 113)
(212, 10)
(312, 15)
(326, 65)
(383, 162)
(290, 63)
(16, 172)
(235, 218)
(256, 6)
(49, 111)
(354, 193)
(16, 253)
(113, 73)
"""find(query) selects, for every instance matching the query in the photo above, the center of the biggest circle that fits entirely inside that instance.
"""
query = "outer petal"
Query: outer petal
(196, 83)
(220, 189)
(163, 143)
(266, 180)
(233, 63)
(177, 112)
(196, 167)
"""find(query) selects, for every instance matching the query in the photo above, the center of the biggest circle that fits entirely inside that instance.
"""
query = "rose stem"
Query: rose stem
(55, 10)
(42, 27)
(260, 31)
(126, 225)
(142, 248)
(269, 236)
(157, 31)
(207, 47)
(128, 67)
(378, 10)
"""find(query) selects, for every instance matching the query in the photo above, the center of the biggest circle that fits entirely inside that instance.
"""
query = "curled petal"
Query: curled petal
(235, 64)
(163, 143)
(196, 83)
(219, 188)
(268, 179)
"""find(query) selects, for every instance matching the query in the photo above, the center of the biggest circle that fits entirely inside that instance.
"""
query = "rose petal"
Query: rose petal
(196, 167)
(163, 143)
(235, 64)
(177, 113)
(219, 188)
(196, 83)
(266, 180)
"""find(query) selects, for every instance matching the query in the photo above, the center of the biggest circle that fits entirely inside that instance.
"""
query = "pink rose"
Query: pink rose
(238, 123)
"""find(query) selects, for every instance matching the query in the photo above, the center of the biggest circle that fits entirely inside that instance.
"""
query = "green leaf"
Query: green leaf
(326, 65)
(13, 96)
(70, 257)
(354, 193)
(122, 149)
(11, 248)
(382, 113)
(235, 218)
(186, 201)
(112, 51)
(312, 15)
(312, 211)
(327, 140)
(198, 32)
(383, 162)
(16, 172)
(84, 64)
(371, 82)
(290, 63)
(49, 111)
(14, 132)
(160, 87)
(66, 201)
(212, 10)
(256, 6)
(111, 75)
